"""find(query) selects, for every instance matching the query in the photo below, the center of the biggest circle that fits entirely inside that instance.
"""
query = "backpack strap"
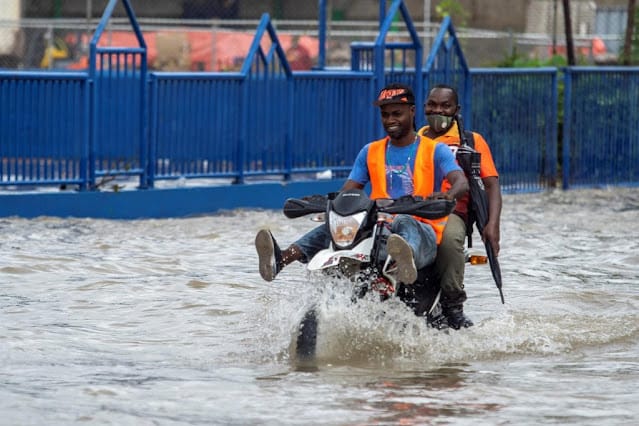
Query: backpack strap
(468, 139)
(464, 154)
(465, 159)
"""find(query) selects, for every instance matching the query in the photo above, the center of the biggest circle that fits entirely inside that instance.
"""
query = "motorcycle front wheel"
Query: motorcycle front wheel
(307, 336)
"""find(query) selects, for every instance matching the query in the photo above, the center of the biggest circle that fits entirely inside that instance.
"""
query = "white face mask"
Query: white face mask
(439, 123)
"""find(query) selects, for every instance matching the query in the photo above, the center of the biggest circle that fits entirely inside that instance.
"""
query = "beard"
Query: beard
(397, 133)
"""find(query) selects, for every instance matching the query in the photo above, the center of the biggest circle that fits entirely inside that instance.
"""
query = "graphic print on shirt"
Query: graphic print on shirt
(399, 170)
(399, 180)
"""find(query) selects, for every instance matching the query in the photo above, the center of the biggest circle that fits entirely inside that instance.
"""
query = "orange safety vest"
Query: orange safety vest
(423, 175)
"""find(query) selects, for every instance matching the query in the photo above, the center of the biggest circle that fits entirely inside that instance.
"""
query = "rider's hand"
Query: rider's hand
(441, 196)
(437, 196)
(491, 235)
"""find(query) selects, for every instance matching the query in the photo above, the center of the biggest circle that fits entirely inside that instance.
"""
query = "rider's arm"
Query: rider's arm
(351, 184)
(358, 177)
(493, 193)
(490, 177)
(446, 162)
(487, 166)
(459, 185)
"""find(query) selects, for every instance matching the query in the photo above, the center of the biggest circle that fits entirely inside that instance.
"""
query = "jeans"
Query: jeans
(313, 241)
(420, 236)
(450, 262)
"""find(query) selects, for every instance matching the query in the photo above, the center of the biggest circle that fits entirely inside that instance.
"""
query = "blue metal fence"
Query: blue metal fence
(44, 127)
(119, 110)
(446, 64)
(392, 61)
(194, 125)
(601, 126)
(333, 118)
(516, 111)
(266, 121)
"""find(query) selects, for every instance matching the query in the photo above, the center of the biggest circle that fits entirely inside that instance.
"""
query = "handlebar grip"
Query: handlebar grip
(427, 209)
(296, 207)
(434, 209)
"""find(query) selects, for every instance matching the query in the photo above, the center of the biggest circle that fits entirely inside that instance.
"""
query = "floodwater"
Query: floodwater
(167, 322)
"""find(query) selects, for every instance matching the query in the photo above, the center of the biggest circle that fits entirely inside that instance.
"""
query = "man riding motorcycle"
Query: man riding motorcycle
(402, 163)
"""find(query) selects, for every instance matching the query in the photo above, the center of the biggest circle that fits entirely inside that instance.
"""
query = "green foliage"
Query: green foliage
(517, 60)
(454, 9)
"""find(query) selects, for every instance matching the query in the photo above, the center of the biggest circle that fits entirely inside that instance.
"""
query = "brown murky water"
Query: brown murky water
(168, 322)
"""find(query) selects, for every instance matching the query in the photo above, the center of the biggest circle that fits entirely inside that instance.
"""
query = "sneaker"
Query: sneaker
(402, 253)
(456, 317)
(269, 255)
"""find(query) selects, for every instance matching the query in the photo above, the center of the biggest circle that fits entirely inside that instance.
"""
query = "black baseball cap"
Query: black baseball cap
(395, 94)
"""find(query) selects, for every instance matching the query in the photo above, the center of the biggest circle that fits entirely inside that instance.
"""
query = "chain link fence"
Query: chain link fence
(214, 35)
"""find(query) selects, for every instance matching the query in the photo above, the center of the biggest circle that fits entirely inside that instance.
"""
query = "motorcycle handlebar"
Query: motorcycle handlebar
(298, 207)
(427, 209)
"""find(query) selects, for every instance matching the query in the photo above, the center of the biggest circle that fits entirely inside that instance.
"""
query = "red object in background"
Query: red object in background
(298, 56)
(199, 50)
(597, 47)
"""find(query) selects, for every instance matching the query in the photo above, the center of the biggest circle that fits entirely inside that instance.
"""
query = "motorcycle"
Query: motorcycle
(359, 229)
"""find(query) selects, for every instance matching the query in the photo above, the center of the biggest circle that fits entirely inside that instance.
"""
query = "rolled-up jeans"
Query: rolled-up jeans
(313, 241)
(420, 236)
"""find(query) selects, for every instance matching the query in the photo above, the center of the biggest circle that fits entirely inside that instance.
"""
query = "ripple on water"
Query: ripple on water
(104, 319)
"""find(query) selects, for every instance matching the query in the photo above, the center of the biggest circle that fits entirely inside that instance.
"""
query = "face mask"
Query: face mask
(439, 123)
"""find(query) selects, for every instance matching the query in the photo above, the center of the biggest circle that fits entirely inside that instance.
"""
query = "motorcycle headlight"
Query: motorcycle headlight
(344, 228)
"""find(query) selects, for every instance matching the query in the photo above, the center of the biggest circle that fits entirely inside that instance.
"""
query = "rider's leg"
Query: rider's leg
(449, 267)
(412, 245)
(272, 260)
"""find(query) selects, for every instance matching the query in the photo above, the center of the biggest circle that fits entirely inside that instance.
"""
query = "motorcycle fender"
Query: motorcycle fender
(328, 257)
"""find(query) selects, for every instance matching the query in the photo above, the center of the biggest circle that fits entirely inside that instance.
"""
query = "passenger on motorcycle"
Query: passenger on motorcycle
(402, 163)
(441, 107)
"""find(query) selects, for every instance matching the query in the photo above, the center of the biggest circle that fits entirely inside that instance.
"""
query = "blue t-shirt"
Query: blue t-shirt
(400, 163)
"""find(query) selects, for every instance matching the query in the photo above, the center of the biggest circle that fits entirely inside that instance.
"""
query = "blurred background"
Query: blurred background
(214, 35)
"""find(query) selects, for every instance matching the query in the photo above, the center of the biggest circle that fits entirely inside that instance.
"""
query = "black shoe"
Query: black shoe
(269, 255)
(456, 317)
(436, 318)
(438, 322)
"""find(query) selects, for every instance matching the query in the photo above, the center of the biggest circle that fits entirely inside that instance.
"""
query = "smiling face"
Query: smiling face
(398, 120)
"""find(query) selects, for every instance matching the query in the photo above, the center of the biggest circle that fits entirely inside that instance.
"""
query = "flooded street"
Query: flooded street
(167, 322)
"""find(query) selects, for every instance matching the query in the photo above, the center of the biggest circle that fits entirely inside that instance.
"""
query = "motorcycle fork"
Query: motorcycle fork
(372, 278)
(379, 239)
(378, 281)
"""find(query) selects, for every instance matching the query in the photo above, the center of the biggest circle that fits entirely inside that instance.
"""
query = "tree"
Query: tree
(570, 49)
(630, 29)
(454, 9)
